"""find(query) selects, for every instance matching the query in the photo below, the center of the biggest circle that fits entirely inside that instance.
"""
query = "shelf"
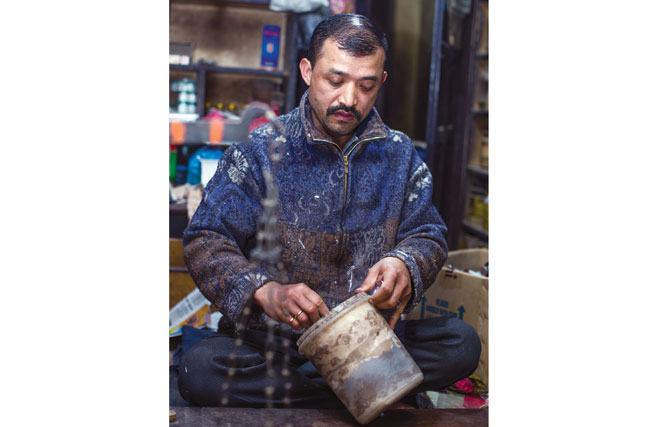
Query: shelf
(226, 2)
(207, 131)
(480, 113)
(478, 171)
(262, 2)
(475, 231)
(481, 56)
(193, 68)
(228, 70)
(214, 131)
(183, 117)
(255, 71)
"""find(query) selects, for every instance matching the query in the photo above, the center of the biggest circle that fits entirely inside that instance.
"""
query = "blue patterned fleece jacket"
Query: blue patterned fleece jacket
(338, 209)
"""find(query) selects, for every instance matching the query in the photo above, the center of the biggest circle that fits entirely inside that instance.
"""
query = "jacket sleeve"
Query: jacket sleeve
(221, 235)
(421, 244)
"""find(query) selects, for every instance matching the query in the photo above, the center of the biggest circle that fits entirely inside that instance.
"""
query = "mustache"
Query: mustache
(345, 108)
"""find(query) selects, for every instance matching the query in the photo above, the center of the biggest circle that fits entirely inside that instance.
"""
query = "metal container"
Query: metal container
(360, 358)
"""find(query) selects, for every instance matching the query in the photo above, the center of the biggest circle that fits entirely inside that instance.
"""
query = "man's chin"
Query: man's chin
(340, 131)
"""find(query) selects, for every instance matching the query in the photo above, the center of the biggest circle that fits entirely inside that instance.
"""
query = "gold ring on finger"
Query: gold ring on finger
(296, 316)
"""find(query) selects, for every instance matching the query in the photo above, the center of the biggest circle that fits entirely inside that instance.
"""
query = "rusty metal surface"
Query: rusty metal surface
(236, 417)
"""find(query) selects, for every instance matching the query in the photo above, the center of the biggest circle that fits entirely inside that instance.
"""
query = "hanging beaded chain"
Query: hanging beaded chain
(267, 252)
(270, 242)
(270, 373)
(239, 333)
(285, 367)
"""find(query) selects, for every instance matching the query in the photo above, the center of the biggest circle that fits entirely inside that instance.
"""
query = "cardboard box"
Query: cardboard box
(462, 295)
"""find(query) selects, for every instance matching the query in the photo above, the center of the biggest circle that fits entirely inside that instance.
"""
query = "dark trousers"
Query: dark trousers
(446, 350)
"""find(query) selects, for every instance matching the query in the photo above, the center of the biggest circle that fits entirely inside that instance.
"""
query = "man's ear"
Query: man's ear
(383, 78)
(305, 71)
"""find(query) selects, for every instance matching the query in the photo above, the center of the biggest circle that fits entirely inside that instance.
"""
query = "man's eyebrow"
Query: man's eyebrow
(344, 74)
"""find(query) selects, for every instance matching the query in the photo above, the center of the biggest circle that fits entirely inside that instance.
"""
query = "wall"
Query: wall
(409, 41)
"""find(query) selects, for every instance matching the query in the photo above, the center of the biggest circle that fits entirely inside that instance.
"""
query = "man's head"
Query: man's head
(344, 70)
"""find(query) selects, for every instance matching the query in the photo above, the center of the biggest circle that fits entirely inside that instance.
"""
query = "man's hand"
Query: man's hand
(296, 305)
(395, 290)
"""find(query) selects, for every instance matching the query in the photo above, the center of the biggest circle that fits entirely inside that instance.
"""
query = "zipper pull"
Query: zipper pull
(345, 164)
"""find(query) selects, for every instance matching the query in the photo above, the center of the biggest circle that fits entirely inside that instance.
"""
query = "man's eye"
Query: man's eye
(335, 84)
(367, 89)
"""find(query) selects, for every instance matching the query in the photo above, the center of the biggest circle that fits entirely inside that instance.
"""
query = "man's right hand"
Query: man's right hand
(296, 305)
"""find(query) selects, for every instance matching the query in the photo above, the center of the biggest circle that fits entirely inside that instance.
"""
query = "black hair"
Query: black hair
(352, 33)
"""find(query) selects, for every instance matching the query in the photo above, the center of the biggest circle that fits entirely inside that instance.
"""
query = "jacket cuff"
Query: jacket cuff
(416, 282)
(244, 287)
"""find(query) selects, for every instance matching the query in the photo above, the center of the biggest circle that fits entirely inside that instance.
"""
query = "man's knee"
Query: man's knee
(192, 372)
(446, 345)
(468, 349)
(207, 371)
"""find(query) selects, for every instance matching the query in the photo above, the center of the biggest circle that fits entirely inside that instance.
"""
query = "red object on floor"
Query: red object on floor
(465, 385)
(473, 402)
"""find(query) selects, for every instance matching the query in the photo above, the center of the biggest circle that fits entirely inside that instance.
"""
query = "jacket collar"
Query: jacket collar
(371, 127)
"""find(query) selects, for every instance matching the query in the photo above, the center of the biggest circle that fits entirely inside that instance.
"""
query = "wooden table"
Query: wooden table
(236, 417)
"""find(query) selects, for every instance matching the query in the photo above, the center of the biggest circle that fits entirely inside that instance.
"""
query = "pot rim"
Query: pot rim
(326, 320)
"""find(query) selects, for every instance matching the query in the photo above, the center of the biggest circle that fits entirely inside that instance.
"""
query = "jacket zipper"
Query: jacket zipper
(345, 178)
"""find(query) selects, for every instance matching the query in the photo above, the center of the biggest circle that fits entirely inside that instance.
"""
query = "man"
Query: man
(353, 196)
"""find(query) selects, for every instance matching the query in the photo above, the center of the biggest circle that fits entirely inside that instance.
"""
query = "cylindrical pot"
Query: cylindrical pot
(360, 358)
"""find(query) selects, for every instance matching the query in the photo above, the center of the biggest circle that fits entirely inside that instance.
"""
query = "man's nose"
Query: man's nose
(348, 95)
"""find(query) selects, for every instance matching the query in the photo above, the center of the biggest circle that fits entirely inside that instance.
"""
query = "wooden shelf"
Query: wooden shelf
(262, 2)
(478, 171)
(475, 231)
(241, 3)
(194, 68)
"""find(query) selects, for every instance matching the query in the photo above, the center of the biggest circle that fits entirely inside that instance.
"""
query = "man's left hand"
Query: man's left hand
(395, 289)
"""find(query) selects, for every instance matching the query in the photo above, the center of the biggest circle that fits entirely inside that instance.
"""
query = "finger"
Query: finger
(294, 321)
(294, 303)
(309, 308)
(294, 324)
(299, 316)
(310, 302)
(304, 320)
(382, 295)
(369, 282)
(314, 299)
(401, 292)
(322, 307)
(395, 316)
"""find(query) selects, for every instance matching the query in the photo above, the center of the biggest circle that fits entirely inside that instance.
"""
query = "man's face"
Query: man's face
(343, 89)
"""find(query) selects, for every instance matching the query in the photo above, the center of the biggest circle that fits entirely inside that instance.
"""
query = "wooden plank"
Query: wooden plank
(176, 253)
(180, 284)
(212, 417)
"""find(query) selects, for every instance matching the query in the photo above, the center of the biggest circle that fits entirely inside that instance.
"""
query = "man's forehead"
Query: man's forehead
(332, 52)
